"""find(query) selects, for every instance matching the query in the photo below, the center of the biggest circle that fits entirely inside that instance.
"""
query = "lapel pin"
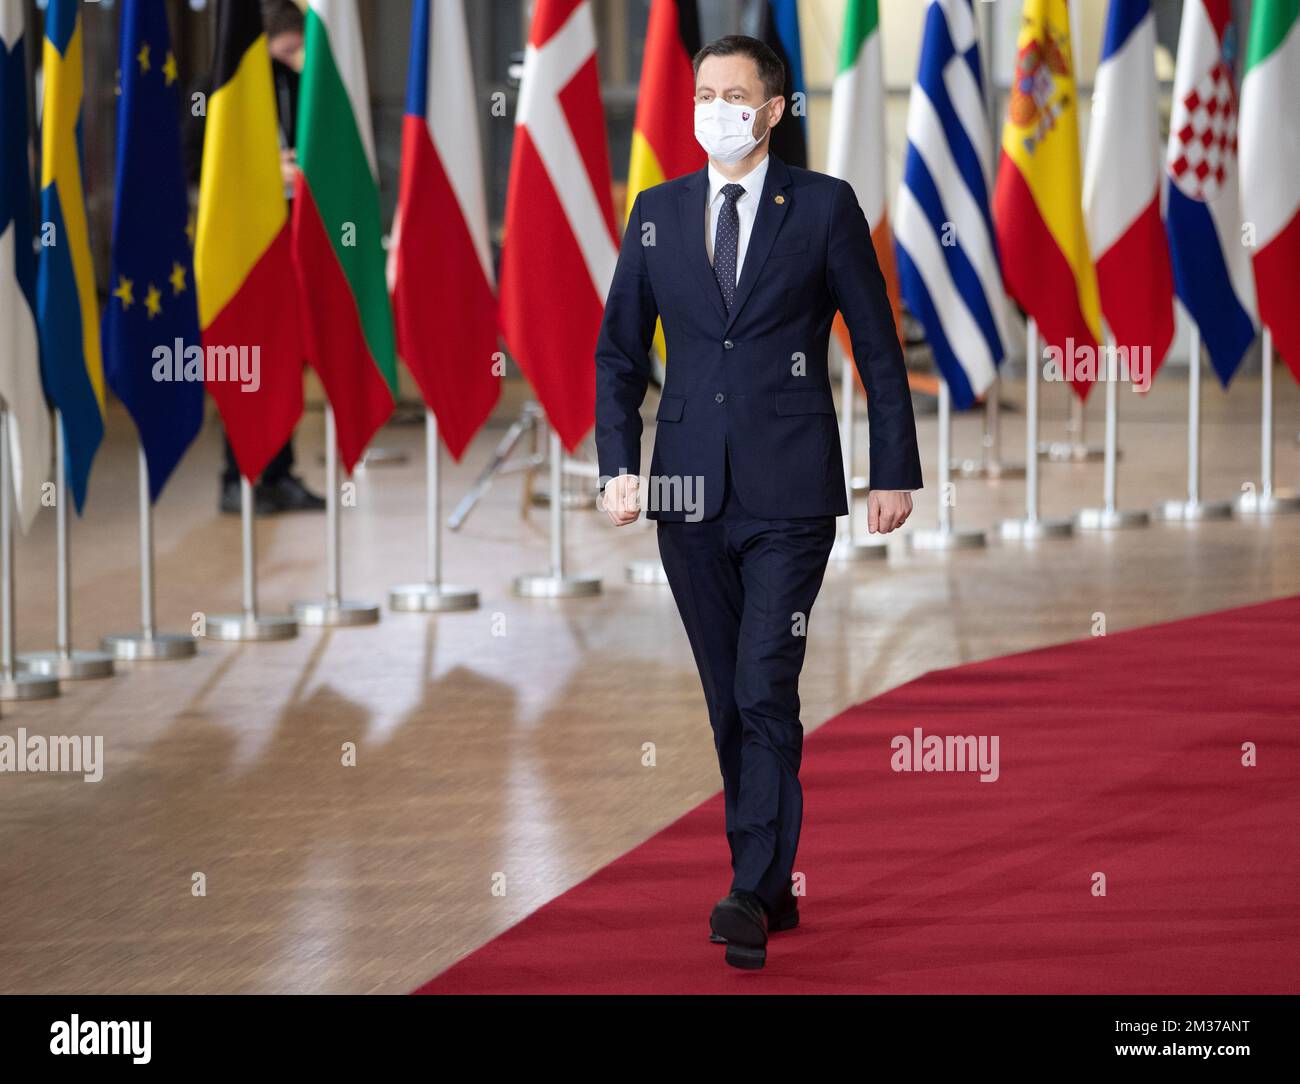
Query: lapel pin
(780, 200)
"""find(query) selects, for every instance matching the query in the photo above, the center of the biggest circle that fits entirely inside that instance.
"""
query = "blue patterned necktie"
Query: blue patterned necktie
(726, 243)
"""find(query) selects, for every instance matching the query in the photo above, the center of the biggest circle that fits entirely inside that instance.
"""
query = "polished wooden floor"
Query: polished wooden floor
(502, 746)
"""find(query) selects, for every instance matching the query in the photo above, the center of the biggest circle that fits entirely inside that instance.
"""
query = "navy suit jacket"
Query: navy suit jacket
(752, 384)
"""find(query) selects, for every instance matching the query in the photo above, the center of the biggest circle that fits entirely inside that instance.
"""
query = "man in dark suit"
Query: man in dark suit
(746, 263)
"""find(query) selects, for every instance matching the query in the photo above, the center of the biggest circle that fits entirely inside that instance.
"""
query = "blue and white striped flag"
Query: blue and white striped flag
(947, 257)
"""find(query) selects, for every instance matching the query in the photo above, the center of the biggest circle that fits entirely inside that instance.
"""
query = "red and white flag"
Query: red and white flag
(561, 243)
(440, 263)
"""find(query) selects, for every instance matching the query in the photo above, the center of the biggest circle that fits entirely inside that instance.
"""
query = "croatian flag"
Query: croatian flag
(1212, 273)
(1121, 186)
(947, 257)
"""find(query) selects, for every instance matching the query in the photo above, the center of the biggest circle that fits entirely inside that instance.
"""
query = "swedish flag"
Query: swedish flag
(152, 318)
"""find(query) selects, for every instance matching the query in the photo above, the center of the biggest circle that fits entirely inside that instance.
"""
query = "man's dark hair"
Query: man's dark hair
(282, 17)
(771, 71)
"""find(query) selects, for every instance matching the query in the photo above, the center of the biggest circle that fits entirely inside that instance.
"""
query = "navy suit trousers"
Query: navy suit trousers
(745, 587)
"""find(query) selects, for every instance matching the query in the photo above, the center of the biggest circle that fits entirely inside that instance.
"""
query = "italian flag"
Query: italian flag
(337, 235)
(1270, 167)
(857, 143)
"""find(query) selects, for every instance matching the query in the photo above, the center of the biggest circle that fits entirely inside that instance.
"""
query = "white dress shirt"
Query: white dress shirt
(746, 208)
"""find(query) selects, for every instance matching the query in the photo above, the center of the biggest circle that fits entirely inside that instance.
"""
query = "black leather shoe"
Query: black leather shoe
(290, 495)
(263, 503)
(740, 920)
(785, 919)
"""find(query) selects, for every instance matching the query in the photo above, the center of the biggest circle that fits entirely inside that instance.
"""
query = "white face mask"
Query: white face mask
(726, 131)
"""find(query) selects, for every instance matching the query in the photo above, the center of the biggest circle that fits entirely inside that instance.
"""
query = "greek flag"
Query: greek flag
(947, 257)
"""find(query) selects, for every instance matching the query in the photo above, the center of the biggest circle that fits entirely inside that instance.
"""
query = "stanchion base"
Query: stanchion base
(939, 540)
(572, 499)
(974, 468)
(28, 687)
(1027, 530)
(428, 598)
(646, 572)
(847, 552)
(1274, 504)
(341, 613)
(1110, 519)
(246, 628)
(1192, 511)
(1064, 451)
(548, 585)
(68, 666)
(161, 647)
(859, 484)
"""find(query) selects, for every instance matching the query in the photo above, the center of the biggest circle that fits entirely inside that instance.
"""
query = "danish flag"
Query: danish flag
(561, 244)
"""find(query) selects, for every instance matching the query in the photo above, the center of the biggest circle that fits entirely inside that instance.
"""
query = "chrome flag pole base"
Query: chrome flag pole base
(940, 539)
(143, 647)
(68, 665)
(1064, 451)
(1110, 519)
(431, 598)
(1029, 530)
(28, 687)
(973, 468)
(250, 628)
(336, 613)
(847, 552)
(1192, 511)
(859, 485)
(1267, 504)
(646, 572)
(548, 585)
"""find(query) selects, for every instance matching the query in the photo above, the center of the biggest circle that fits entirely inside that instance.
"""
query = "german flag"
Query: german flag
(243, 265)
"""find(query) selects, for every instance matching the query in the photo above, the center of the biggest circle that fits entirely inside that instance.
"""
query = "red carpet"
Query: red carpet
(1119, 755)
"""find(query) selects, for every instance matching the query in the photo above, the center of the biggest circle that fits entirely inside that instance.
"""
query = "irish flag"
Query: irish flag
(1270, 167)
(337, 234)
(857, 142)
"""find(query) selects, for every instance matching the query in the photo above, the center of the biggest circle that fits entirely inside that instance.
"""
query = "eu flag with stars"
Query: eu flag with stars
(152, 319)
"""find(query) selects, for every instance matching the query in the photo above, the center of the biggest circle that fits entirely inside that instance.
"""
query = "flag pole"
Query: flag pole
(433, 595)
(13, 685)
(990, 463)
(148, 644)
(556, 583)
(1193, 508)
(1031, 526)
(1266, 501)
(64, 662)
(248, 625)
(945, 536)
(333, 610)
(847, 547)
(1108, 516)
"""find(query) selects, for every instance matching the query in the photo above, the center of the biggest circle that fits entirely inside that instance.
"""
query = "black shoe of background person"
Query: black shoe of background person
(785, 919)
(741, 920)
(290, 495)
(264, 503)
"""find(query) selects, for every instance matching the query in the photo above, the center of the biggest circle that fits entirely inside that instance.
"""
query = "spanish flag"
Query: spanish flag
(243, 259)
(1038, 201)
(663, 136)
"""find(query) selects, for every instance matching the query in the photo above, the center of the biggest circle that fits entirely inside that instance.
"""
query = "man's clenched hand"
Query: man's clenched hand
(622, 499)
(887, 509)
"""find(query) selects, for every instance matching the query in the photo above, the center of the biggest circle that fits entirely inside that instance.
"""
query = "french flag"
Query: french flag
(1212, 272)
(1121, 185)
(440, 264)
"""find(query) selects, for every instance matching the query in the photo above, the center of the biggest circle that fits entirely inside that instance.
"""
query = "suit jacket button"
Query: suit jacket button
(719, 397)
(727, 344)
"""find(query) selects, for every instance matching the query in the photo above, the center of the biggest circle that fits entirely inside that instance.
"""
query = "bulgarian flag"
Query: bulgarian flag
(1270, 167)
(1038, 199)
(337, 235)
(857, 144)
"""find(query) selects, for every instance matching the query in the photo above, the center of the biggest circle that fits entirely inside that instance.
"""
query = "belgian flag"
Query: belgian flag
(243, 260)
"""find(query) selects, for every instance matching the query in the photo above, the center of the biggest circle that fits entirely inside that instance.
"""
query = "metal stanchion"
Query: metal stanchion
(1266, 501)
(847, 547)
(432, 596)
(13, 685)
(1108, 516)
(248, 624)
(945, 536)
(64, 662)
(990, 464)
(333, 610)
(1031, 526)
(1193, 508)
(556, 583)
(148, 644)
(1075, 448)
